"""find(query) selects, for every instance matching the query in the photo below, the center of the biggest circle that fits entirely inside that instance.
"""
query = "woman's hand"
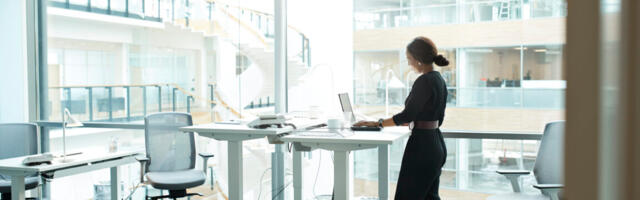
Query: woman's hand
(366, 123)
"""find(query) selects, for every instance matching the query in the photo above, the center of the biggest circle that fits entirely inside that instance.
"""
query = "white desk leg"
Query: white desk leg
(297, 175)
(383, 172)
(234, 149)
(17, 187)
(342, 175)
(115, 183)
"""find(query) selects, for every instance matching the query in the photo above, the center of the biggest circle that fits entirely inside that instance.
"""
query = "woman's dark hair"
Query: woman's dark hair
(424, 51)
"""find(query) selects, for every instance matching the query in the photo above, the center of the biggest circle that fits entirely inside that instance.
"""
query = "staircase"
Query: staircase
(263, 58)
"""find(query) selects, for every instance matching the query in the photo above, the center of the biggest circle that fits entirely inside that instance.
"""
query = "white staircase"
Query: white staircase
(258, 79)
(263, 58)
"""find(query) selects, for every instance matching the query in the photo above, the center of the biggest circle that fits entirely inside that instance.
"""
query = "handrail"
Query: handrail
(269, 15)
(174, 85)
(105, 85)
(223, 103)
(262, 39)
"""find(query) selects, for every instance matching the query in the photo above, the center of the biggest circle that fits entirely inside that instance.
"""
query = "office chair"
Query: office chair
(548, 169)
(171, 155)
(19, 139)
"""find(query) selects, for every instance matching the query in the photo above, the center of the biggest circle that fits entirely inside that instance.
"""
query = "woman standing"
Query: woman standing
(425, 153)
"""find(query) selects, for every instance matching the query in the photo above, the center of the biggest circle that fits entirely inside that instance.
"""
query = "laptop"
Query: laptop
(346, 107)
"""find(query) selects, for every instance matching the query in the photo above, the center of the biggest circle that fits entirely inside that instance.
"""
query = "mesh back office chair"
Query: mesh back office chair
(17, 140)
(548, 169)
(171, 155)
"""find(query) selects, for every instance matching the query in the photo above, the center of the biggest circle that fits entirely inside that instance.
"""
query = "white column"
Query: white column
(234, 149)
(297, 175)
(383, 172)
(13, 79)
(280, 85)
(463, 163)
(17, 187)
(115, 183)
(280, 54)
(342, 186)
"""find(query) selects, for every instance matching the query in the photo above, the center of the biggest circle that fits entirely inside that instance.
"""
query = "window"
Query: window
(505, 74)
(118, 61)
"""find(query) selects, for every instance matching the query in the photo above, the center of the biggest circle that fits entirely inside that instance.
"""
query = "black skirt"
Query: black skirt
(422, 162)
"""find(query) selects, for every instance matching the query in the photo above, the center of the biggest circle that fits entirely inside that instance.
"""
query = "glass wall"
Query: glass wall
(508, 78)
(118, 61)
(407, 13)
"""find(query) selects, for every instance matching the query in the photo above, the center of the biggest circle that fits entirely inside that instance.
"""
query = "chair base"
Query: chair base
(174, 194)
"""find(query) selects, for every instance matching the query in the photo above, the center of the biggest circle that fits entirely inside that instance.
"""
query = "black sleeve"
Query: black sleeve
(418, 97)
(444, 107)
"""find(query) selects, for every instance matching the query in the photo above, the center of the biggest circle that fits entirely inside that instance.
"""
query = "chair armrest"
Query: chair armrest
(515, 172)
(205, 158)
(550, 190)
(142, 159)
(143, 163)
(513, 176)
(548, 186)
(205, 155)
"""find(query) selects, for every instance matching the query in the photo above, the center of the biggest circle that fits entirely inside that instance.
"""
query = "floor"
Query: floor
(361, 188)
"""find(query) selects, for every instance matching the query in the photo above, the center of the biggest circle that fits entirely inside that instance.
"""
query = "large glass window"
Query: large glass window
(409, 13)
(505, 74)
(118, 61)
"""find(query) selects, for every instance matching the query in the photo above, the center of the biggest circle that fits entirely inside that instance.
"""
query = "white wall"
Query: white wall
(13, 71)
(329, 26)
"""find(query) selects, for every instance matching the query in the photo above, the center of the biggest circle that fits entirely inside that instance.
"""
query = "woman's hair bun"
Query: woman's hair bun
(440, 60)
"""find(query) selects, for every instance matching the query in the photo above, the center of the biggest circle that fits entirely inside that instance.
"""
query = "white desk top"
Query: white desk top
(385, 136)
(234, 129)
(15, 164)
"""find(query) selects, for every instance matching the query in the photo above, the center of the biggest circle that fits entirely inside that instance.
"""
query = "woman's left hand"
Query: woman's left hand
(366, 123)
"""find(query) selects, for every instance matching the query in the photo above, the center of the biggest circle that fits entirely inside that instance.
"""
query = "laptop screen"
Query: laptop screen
(346, 104)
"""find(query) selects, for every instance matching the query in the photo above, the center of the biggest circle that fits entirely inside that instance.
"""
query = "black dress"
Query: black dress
(425, 153)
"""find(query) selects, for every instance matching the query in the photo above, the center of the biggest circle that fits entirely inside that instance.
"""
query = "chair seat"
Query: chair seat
(518, 196)
(5, 183)
(176, 180)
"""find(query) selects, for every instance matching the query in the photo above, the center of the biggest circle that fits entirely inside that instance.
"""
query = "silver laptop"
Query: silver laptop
(346, 105)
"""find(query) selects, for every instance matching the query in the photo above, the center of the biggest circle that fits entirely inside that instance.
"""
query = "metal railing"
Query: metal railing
(113, 103)
(136, 9)
(262, 24)
(458, 13)
(261, 103)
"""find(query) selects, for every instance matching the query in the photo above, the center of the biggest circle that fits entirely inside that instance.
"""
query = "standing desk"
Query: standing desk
(85, 162)
(341, 147)
(235, 134)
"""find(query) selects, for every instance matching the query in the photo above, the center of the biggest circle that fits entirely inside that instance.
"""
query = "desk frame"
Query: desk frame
(18, 174)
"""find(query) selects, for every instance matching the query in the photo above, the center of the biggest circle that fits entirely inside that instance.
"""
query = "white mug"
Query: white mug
(334, 123)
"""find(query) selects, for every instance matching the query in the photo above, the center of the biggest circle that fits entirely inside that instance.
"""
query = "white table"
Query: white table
(341, 147)
(85, 162)
(234, 134)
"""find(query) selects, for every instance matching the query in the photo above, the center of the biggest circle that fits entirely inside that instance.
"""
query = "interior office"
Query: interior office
(515, 67)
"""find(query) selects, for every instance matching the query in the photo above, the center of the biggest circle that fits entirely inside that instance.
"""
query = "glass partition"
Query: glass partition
(409, 13)
(506, 74)
(130, 59)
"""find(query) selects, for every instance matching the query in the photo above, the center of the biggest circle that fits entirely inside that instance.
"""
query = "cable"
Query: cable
(281, 190)
(317, 173)
(133, 190)
(263, 173)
